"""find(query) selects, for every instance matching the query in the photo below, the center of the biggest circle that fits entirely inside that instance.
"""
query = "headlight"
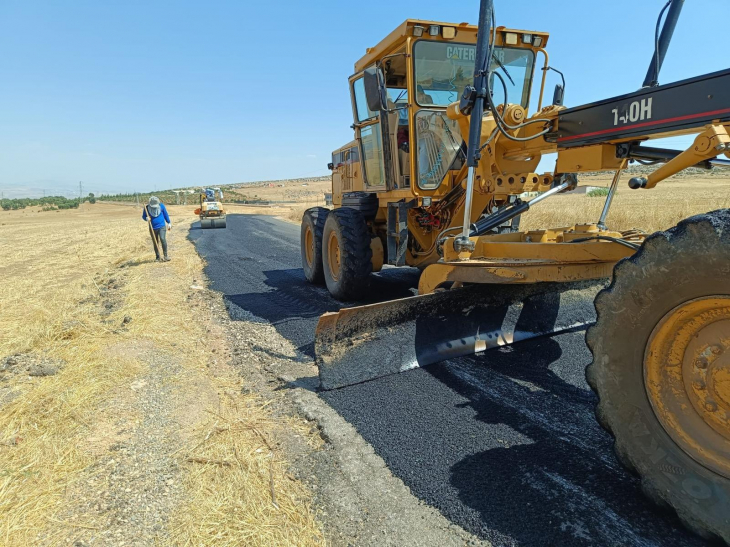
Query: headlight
(449, 33)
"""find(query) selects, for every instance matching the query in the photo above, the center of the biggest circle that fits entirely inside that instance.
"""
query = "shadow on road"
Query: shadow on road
(559, 481)
(509, 449)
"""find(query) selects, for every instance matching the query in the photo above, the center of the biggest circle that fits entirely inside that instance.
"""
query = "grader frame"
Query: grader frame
(597, 137)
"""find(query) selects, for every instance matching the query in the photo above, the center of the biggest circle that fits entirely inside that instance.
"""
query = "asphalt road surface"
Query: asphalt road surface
(504, 445)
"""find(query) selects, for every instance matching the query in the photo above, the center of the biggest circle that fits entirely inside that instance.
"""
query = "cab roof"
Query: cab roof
(396, 39)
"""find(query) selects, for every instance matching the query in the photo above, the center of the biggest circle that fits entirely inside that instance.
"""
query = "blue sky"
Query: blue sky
(140, 95)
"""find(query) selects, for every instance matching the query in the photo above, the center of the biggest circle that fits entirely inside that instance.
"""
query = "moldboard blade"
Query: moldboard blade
(359, 344)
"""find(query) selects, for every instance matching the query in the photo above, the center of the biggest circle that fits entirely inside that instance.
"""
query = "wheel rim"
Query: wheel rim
(309, 245)
(687, 378)
(333, 256)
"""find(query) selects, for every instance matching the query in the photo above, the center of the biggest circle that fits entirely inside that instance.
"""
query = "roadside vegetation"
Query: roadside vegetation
(597, 193)
(167, 197)
(47, 203)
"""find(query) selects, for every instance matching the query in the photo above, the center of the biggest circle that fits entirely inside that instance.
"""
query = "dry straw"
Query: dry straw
(69, 281)
(650, 210)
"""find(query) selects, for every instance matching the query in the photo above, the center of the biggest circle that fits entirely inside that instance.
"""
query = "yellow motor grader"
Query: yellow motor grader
(211, 211)
(445, 149)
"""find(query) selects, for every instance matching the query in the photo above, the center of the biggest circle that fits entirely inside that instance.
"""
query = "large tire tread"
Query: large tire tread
(315, 217)
(356, 254)
(644, 281)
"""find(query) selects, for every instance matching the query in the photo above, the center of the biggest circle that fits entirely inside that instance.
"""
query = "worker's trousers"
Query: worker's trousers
(161, 236)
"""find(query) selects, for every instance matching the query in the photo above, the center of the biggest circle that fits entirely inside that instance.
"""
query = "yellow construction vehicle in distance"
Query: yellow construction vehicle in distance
(211, 211)
(444, 147)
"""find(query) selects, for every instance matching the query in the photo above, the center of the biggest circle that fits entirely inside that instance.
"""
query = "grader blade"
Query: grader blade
(359, 344)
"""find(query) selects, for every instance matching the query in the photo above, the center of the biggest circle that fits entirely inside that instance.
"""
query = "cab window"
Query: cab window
(361, 103)
(438, 147)
(443, 70)
(372, 153)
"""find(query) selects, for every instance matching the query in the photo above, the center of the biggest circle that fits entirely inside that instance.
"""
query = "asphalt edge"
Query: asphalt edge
(367, 475)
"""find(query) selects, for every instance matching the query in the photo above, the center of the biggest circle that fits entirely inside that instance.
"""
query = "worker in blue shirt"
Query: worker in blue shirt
(159, 224)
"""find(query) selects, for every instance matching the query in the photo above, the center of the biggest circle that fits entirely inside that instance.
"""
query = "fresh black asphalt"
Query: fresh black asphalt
(504, 445)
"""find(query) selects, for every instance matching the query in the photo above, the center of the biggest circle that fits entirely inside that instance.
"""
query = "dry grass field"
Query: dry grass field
(299, 190)
(82, 296)
(650, 210)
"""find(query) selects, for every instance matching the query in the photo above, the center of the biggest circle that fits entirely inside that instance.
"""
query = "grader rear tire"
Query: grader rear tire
(346, 254)
(661, 368)
(311, 244)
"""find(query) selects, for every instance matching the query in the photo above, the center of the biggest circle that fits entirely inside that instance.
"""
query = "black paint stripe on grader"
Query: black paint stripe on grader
(680, 105)
(356, 345)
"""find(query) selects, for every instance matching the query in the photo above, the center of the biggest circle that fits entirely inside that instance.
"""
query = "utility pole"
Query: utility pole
(81, 189)
(136, 196)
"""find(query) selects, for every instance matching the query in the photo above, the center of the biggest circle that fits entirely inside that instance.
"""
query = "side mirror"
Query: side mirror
(558, 95)
(374, 84)
(331, 166)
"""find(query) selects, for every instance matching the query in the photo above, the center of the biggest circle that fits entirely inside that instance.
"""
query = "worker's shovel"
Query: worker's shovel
(155, 238)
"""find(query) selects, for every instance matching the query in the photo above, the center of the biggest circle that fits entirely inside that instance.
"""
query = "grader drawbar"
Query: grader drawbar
(443, 165)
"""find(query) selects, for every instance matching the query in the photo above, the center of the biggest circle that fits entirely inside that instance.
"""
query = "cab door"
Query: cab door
(369, 134)
(347, 186)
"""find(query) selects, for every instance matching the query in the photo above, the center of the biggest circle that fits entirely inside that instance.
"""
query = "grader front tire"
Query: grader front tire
(661, 368)
(346, 254)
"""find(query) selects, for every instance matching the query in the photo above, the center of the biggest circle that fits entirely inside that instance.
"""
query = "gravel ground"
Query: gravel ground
(127, 496)
(504, 446)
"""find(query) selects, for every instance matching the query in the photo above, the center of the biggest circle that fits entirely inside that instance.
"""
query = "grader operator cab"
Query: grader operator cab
(445, 146)
(211, 211)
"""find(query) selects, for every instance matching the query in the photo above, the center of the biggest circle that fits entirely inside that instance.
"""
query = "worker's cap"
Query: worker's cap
(154, 201)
